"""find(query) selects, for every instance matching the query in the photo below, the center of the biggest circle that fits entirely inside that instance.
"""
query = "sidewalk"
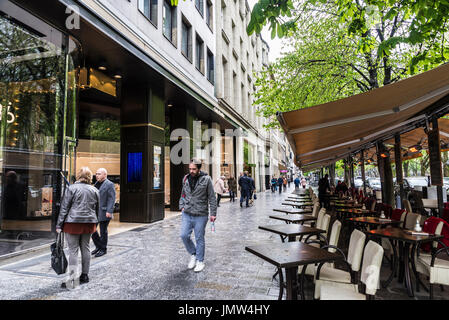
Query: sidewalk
(151, 263)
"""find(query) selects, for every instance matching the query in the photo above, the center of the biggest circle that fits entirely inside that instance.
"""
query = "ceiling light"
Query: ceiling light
(102, 66)
(415, 148)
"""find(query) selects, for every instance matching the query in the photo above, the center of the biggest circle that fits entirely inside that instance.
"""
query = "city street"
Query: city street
(151, 263)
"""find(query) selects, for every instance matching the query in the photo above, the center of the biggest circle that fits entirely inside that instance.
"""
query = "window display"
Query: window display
(157, 153)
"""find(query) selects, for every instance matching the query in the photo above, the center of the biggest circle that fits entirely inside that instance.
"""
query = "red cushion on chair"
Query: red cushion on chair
(396, 214)
(430, 226)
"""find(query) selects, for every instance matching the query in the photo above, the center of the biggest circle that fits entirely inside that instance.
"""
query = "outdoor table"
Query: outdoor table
(298, 201)
(291, 231)
(299, 198)
(292, 211)
(373, 221)
(305, 204)
(297, 218)
(289, 256)
(348, 206)
(358, 212)
(406, 256)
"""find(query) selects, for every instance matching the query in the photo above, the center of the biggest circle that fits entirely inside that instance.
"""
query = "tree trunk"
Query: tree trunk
(445, 166)
(422, 166)
(332, 174)
(405, 168)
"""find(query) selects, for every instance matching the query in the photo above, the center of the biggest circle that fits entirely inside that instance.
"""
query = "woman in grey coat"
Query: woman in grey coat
(77, 219)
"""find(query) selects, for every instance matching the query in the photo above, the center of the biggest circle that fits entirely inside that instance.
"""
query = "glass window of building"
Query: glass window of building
(37, 89)
(169, 22)
(186, 39)
(199, 4)
(149, 10)
(210, 66)
(209, 14)
(199, 60)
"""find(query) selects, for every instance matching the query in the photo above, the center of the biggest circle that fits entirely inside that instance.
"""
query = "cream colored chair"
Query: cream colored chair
(435, 268)
(438, 273)
(315, 210)
(407, 205)
(325, 273)
(370, 276)
(410, 220)
(332, 242)
(319, 221)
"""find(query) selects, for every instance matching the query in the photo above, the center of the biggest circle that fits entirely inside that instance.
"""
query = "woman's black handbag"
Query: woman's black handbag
(58, 259)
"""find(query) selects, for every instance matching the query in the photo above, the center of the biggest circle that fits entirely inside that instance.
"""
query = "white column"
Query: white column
(216, 152)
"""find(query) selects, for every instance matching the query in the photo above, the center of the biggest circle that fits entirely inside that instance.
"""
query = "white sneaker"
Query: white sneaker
(192, 262)
(199, 266)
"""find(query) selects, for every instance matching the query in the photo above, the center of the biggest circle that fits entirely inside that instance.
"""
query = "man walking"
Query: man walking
(107, 200)
(297, 181)
(280, 184)
(323, 187)
(245, 188)
(197, 199)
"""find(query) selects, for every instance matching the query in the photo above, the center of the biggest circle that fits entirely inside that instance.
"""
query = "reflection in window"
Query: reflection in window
(169, 22)
(33, 72)
(149, 9)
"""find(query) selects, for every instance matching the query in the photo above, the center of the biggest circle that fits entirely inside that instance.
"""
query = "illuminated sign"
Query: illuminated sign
(10, 116)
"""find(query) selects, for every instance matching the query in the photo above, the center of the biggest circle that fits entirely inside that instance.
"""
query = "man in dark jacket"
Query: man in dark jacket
(280, 183)
(245, 188)
(197, 199)
(107, 200)
(323, 187)
(253, 187)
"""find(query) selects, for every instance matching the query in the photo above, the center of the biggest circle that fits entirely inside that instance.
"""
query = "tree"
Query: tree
(425, 21)
(326, 64)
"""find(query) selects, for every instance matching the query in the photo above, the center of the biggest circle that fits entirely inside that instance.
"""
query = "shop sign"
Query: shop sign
(11, 118)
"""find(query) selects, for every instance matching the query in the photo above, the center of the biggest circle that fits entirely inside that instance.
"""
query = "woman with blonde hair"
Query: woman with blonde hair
(77, 219)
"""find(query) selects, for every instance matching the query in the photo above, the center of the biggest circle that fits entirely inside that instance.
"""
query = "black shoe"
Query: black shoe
(84, 278)
(95, 251)
(100, 253)
(63, 285)
(241, 206)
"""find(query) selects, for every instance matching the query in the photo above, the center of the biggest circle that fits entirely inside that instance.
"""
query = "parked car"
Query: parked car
(374, 183)
(358, 182)
(417, 181)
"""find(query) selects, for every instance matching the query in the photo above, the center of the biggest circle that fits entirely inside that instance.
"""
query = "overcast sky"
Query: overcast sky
(275, 44)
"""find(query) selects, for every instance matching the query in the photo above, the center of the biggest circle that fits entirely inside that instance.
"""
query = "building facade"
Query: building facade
(125, 85)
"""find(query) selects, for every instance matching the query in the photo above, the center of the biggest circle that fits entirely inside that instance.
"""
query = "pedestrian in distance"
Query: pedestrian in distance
(232, 184)
(284, 183)
(303, 182)
(323, 187)
(253, 188)
(219, 188)
(245, 188)
(106, 189)
(197, 202)
(289, 181)
(280, 184)
(77, 219)
(273, 184)
(297, 181)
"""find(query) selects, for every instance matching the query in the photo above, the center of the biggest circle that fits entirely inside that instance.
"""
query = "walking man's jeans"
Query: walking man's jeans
(218, 199)
(232, 195)
(280, 188)
(101, 241)
(198, 225)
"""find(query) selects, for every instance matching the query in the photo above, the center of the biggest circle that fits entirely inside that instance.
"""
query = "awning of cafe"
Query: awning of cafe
(323, 134)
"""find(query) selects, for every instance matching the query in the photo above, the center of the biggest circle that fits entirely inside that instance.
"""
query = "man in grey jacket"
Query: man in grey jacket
(107, 201)
(197, 197)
